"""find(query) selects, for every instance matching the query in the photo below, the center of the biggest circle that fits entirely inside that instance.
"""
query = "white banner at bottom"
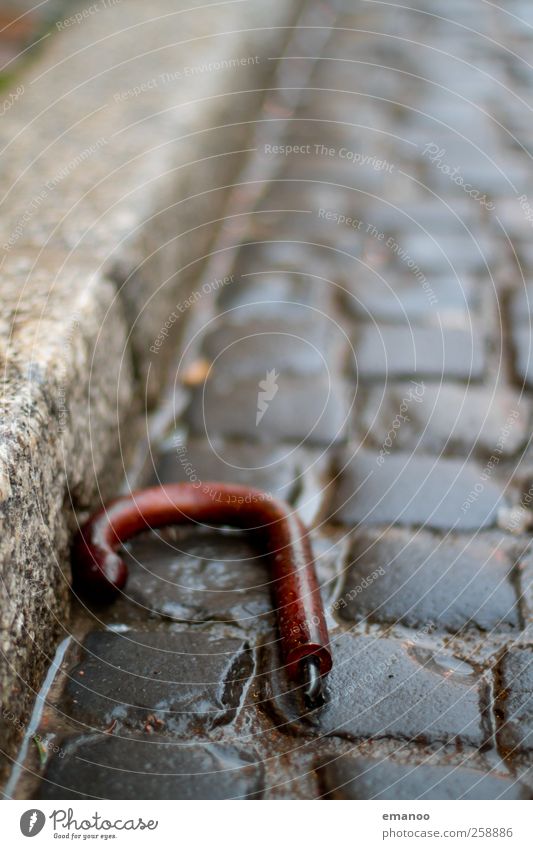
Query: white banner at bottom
(265, 825)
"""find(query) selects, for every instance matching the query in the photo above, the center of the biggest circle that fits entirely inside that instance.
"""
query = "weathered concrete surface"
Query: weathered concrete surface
(67, 384)
(117, 131)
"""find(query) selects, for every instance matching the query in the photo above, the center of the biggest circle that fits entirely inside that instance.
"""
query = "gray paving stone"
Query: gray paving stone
(109, 767)
(200, 575)
(438, 219)
(491, 180)
(386, 82)
(387, 297)
(358, 176)
(307, 412)
(514, 700)
(274, 294)
(456, 117)
(390, 688)
(314, 195)
(523, 356)
(305, 348)
(407, 489)
(525, 589)
(176, 683)
(521, 306)
(513, 220)
(341, 107)
(352, 777)
(447, 419)
(456, 584)
(422, 353)
(274, 252)
(273, 468)
(294, 474)
(520, 314)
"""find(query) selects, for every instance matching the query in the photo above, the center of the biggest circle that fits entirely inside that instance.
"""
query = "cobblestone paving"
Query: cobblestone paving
(380, 309)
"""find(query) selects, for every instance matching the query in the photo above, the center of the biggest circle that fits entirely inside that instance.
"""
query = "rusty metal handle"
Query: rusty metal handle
(304, 636)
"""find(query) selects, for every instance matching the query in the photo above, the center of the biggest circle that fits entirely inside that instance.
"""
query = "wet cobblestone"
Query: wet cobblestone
(93, 767)
(515, 701)
(179, 684)
(317, 419)
(191, 576)
(418, 353)
(388, 688)
(410, 489)
(450, 419)
(455, 585)
(350, 777)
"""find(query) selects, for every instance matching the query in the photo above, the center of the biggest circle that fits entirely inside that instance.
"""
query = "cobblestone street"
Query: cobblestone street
(357, 342)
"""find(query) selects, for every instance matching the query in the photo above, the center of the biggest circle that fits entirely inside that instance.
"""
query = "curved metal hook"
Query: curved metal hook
(304, 637)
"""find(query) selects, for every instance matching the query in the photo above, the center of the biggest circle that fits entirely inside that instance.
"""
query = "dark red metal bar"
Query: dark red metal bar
(99, 569)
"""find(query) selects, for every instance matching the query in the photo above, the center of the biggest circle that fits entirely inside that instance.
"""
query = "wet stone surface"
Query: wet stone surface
(295, 414)
(276, 469)
(274, 295)
(525, 585)
(198, 575)
(455, 584)
(447, 253)
(445, 301)
(175, 683)
(284, 471)
(523, 360)
(521, 306)
(109, 767)
(418, 353)
(514, 699)
(351, 777)
(447, 419)
(202, 576)
(304, 348)
(387, 688)
(411, 489)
